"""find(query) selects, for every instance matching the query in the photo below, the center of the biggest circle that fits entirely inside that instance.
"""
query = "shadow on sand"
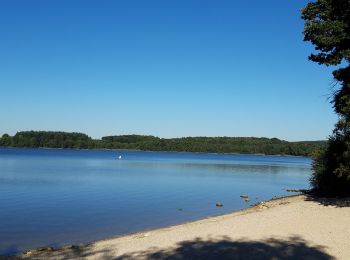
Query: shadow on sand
(223, 248)
(294, 248)
(329, 201)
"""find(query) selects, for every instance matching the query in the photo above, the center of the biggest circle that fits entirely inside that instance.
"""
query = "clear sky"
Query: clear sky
(167, 68)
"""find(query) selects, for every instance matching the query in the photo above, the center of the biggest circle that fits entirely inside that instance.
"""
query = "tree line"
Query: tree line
(243, 145)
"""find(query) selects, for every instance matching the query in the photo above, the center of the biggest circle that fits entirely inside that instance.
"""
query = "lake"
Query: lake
(53, 197)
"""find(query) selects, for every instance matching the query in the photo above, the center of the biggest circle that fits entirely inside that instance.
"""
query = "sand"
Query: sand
(299, 227)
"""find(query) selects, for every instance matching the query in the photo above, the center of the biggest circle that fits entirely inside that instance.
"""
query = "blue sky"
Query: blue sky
(166, 68)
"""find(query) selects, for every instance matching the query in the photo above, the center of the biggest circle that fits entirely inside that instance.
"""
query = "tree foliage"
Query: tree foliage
(245, 145)
(327, 27)
(48, 139)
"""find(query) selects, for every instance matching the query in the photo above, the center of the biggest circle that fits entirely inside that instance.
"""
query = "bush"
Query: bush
(331, 166)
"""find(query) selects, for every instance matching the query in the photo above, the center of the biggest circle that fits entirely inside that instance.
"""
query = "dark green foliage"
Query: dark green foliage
(47, 139)
(5, 140)
(244, 145)
(327, 26)
(129, 141)
(332, 165)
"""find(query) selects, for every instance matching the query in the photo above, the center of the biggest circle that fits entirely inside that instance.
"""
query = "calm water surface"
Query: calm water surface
(56, 197)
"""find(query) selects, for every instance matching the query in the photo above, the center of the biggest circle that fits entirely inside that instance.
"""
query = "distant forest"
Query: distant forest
(242, 145)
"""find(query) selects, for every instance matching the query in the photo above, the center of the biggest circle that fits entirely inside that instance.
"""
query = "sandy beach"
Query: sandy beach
(298, 227)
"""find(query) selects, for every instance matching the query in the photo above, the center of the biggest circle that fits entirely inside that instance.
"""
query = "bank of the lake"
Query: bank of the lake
(298, 227)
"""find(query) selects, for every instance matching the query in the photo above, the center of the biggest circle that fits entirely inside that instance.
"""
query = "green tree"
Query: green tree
(5, 140)
(327, 27)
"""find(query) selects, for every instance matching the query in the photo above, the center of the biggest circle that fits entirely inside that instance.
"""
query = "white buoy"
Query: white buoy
(119, 157)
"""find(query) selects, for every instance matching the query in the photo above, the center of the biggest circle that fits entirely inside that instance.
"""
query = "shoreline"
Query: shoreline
(147, 230)
(155, 151)
(288, 219)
